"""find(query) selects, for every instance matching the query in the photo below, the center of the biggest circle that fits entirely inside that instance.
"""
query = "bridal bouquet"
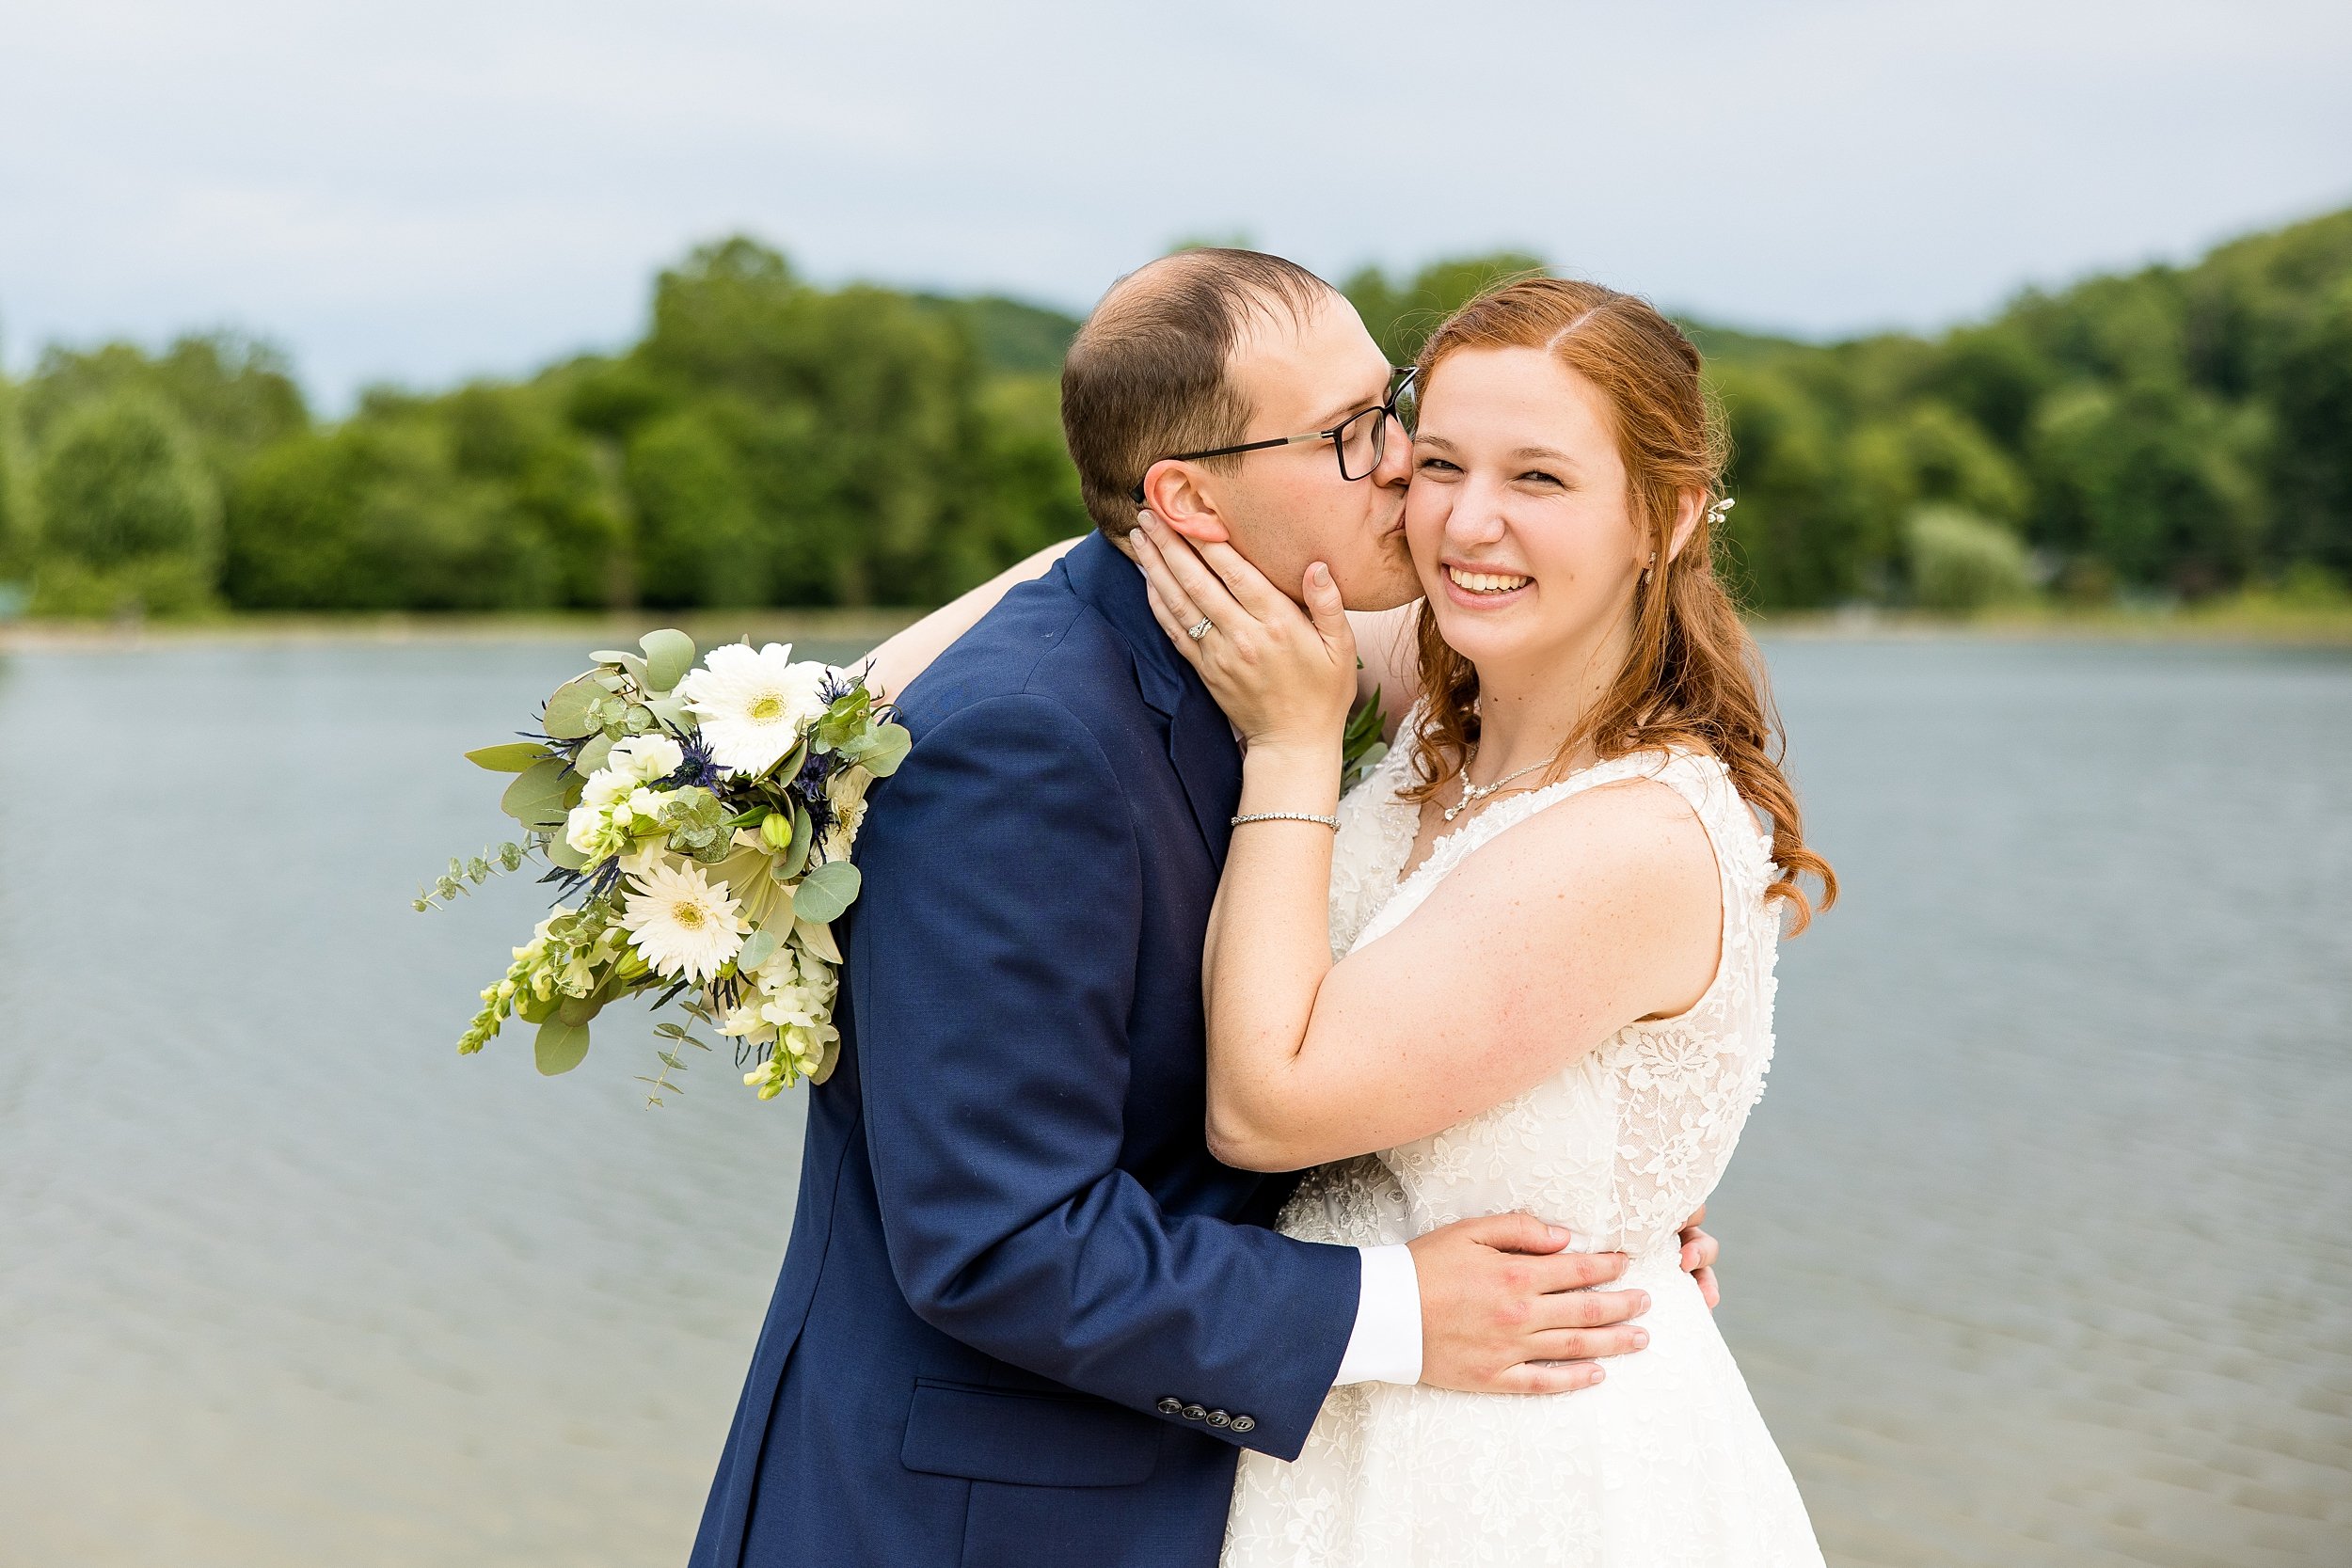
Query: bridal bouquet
(697, 821)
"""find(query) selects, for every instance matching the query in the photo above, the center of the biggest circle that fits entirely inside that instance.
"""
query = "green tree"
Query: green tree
(1794, 540)
(378, 514)
(2309, 384)
(130, 516)
(1401, 316)
(2151, 481)
(1960, 563)
(698, 523)
(16, 506)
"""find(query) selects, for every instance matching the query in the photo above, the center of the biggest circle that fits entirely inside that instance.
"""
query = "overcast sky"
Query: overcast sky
(440, 188)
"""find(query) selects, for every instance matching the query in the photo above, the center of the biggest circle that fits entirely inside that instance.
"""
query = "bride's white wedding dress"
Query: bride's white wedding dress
(1666, 1462)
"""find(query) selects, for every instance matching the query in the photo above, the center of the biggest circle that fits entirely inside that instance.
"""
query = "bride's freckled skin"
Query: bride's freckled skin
(1519, 523)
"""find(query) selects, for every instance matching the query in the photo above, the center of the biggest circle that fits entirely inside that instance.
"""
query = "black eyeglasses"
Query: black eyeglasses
(1360, 441)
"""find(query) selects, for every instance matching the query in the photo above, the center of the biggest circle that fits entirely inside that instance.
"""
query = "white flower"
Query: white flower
(753, 706)
(845, 791)
(589, 829)
(606, 785)
(680, 922)
(642, 758)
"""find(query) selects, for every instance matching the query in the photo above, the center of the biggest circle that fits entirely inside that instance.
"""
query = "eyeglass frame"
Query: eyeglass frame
(1385, 410)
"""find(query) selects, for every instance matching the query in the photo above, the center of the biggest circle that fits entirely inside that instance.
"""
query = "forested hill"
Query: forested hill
(2176, 431)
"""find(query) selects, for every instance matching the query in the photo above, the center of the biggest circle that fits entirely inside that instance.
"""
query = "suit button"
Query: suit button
(1171, 1406)
(1195, 1413)
(1245, 1423)
(1219, 1418)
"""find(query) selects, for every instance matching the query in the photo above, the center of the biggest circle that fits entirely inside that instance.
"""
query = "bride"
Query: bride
(1532, 968)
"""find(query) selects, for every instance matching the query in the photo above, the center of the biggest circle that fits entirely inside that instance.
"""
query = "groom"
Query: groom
(1026, 1318)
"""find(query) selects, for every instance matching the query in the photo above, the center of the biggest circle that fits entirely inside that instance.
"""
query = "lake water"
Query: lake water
(2035, 1249)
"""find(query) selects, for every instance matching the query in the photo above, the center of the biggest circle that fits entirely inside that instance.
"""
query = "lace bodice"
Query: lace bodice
(1625, 1142)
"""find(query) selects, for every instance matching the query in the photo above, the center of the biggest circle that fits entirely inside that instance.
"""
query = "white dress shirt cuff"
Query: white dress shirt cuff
(1385, 1346)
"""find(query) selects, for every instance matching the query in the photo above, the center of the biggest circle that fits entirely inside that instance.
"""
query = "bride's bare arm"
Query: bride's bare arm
(1533, 951)
(894, 665)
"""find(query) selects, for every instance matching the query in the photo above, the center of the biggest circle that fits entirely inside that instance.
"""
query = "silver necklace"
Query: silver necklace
(1472, 794)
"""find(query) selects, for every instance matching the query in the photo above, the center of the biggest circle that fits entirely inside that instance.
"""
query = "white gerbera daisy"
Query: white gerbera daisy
(680, 922)
(753, 707)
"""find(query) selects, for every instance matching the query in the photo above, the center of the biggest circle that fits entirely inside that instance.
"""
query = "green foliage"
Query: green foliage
(17, 534)
(131, 516)
(1013, 338)
(1402, 314)
(1796, 537)
(1961, 563)
(2174, 431)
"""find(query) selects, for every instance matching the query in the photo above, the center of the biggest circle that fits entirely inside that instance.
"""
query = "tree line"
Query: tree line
(2175, 432)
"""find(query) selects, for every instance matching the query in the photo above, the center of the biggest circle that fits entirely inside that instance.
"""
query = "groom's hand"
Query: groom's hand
(1698, 1258)
(1506, 1309)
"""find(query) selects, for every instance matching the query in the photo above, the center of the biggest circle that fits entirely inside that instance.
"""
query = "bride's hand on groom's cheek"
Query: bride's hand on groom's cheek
(1506, 1309)
(1283, 675)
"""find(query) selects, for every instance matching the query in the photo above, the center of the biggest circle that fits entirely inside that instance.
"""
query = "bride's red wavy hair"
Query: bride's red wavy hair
(1695, 676)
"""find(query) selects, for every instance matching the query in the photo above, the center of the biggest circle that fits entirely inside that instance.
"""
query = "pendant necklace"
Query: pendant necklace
(1472, 794)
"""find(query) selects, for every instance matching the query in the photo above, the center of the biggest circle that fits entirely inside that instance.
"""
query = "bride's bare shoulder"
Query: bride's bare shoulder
(1628, 851)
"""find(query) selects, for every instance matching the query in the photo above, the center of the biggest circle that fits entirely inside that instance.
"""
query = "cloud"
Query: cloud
(447, 188)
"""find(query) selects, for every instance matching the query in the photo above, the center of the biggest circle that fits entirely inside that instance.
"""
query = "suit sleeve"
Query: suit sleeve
(993, 960)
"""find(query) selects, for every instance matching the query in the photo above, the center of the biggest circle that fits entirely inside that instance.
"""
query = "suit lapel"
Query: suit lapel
(1201, 744)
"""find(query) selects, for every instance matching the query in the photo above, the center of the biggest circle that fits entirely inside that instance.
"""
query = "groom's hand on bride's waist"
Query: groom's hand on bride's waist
(1507, 1309)
(1699, 1252)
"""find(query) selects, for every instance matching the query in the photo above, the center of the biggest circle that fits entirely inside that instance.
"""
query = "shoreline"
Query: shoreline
(2261, 624)
(590, 629)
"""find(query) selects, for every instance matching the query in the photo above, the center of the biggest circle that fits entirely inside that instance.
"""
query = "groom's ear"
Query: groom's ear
(1174, 492)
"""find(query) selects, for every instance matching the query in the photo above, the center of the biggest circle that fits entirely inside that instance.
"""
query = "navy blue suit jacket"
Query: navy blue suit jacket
(1024, 1317)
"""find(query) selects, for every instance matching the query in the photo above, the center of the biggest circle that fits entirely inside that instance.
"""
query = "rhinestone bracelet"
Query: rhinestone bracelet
(1330, 822)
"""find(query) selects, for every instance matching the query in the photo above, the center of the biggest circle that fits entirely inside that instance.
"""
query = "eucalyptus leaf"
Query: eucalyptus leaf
(757, 949)
(611, 680)
(571, 712)
(622, 659)
(532, 1008)
(885, 750)
(672, 711)
(826, 1061)
(560, 1046)
(796, 853)
(594, 754)
(511, 758)
(669, 654)
(579, 1010)
(536, 799)
(825, 892)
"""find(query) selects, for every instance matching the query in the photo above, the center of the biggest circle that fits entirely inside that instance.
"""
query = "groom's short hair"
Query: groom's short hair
(1146, 378)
